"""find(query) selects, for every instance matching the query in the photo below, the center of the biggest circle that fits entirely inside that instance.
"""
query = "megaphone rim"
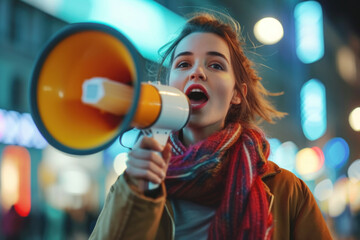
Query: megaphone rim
(39, 62)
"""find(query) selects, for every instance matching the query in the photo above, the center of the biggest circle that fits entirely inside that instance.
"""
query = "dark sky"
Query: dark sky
(344, 12)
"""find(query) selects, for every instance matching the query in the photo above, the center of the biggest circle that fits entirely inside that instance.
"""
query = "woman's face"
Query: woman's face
(202, 69)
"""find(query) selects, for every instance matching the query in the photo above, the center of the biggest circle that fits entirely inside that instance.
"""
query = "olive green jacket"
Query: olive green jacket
(129, 215)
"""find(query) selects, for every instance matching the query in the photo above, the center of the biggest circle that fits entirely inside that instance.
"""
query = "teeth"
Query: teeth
(196, 90)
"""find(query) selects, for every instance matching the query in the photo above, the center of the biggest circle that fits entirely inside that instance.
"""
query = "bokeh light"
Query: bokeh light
(309, 31)
(313, 109)
(323, 190)
(268, 31)
(353, 189)
(16, 179)
(11, 127)
(66, 178)
(354, 171)
(285, 155)
(157, 22)
(336, 152)
(111, 152)
(338, 200)
(120, 163)
(19, 129)
(74, 181)
(2, 124)
(346, 64)
(354, 119)
(274, 144)
(50, 6)
(9, 183)
(309, 163)
(320, 155)
(26, 130)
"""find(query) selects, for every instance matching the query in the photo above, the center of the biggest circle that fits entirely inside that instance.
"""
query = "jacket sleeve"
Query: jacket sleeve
(129, 215)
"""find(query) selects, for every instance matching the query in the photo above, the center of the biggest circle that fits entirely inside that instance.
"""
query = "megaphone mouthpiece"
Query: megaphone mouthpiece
(110, 96)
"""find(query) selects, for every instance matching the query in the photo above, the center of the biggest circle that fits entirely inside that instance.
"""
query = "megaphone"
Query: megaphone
(86, 90)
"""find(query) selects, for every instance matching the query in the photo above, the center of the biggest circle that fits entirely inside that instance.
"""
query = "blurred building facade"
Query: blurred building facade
(24, 30)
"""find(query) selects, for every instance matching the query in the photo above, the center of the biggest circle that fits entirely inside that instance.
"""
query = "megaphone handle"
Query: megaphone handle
(162, 136)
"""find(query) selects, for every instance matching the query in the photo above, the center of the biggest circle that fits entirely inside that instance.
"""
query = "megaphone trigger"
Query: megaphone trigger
(160, 135)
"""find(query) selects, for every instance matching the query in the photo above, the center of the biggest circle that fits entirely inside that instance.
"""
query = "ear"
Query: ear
(236, 99)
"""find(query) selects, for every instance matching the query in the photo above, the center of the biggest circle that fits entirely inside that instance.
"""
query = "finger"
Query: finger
(148, 155)
(147, 165)
(148, 143)
(144, 174)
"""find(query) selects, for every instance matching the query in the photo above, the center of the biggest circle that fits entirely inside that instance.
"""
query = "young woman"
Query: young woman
(215, 180)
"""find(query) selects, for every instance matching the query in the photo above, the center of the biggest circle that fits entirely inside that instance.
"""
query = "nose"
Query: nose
(198, 74)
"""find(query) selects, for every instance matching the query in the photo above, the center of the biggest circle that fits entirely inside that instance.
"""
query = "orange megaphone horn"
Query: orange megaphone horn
(86, 90)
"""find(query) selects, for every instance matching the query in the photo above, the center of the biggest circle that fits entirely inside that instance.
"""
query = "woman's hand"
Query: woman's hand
(146, 164)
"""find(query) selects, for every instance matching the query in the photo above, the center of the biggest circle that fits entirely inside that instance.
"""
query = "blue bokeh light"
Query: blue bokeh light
(285, 155)
(274, 145)
(147, 24)
(336, 152)
(313, 109)
(309, 31)
(19, 129)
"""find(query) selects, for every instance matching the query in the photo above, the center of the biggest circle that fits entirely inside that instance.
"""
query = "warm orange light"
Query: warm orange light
(16, 179)
(309, 162)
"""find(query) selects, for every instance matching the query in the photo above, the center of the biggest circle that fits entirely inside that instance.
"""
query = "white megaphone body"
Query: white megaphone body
(166, 110)
(86, 90)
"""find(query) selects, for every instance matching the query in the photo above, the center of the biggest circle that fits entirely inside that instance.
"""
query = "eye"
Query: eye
(182, 64)
(216, 66)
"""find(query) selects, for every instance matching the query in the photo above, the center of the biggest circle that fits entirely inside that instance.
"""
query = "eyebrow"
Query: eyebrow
(211, 53)
(183, 54)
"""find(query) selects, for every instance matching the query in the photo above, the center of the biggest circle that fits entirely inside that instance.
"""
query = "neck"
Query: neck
(192, 135)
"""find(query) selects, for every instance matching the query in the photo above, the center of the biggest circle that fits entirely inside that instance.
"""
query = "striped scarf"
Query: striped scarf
(224, 171)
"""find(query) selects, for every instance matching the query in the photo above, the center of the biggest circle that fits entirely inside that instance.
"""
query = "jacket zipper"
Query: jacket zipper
(172, 223)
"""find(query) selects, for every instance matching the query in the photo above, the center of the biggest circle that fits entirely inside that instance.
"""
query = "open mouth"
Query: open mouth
(197, 95)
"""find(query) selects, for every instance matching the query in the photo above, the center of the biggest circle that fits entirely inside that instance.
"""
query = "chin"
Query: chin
(201, 121)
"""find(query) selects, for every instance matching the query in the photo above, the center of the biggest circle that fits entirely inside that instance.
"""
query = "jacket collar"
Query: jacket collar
(272, 170)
